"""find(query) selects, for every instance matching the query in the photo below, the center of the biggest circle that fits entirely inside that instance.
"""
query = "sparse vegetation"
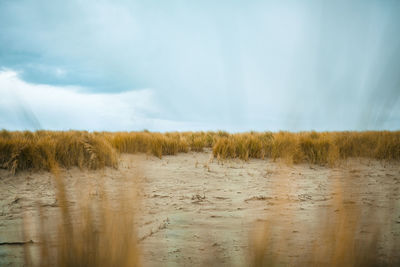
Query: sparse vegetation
(38, 150)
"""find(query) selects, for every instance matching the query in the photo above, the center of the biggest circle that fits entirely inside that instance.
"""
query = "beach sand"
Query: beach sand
(193, 210)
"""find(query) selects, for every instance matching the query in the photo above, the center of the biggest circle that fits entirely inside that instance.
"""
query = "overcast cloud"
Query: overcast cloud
(200, 65)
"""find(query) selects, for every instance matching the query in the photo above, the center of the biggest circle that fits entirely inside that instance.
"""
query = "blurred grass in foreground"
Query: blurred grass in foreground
(337, 239)
(99, 233)
(102, 232)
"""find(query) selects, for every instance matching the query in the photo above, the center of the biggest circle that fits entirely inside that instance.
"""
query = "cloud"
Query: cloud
(234, 65)
(34, 106)
(38, 106)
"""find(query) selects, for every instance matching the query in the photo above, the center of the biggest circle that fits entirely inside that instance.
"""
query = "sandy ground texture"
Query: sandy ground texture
(196, 211)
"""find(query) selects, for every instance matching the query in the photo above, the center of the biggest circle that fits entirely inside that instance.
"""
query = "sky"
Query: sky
(199, 65)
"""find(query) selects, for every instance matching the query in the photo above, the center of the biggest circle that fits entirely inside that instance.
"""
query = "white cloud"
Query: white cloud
(29, 106)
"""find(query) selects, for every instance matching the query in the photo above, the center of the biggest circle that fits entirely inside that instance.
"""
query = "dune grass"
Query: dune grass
(39, 150)
(36, 150)
(310, 147)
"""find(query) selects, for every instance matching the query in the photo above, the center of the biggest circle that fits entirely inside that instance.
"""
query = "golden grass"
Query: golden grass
(35, 150)
(38, 150)
(310, 147)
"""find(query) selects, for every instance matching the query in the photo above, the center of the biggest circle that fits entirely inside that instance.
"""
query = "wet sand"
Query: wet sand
(196, 211)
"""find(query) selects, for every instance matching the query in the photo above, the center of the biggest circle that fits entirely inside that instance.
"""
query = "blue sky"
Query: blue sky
(199, 65)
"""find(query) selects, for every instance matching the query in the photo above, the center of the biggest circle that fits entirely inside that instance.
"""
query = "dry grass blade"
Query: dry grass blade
(96, 234)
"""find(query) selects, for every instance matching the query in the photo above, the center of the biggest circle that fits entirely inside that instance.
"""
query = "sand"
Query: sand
(194, 210)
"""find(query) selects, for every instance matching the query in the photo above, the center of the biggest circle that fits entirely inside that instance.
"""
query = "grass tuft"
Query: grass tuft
(36, 150)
